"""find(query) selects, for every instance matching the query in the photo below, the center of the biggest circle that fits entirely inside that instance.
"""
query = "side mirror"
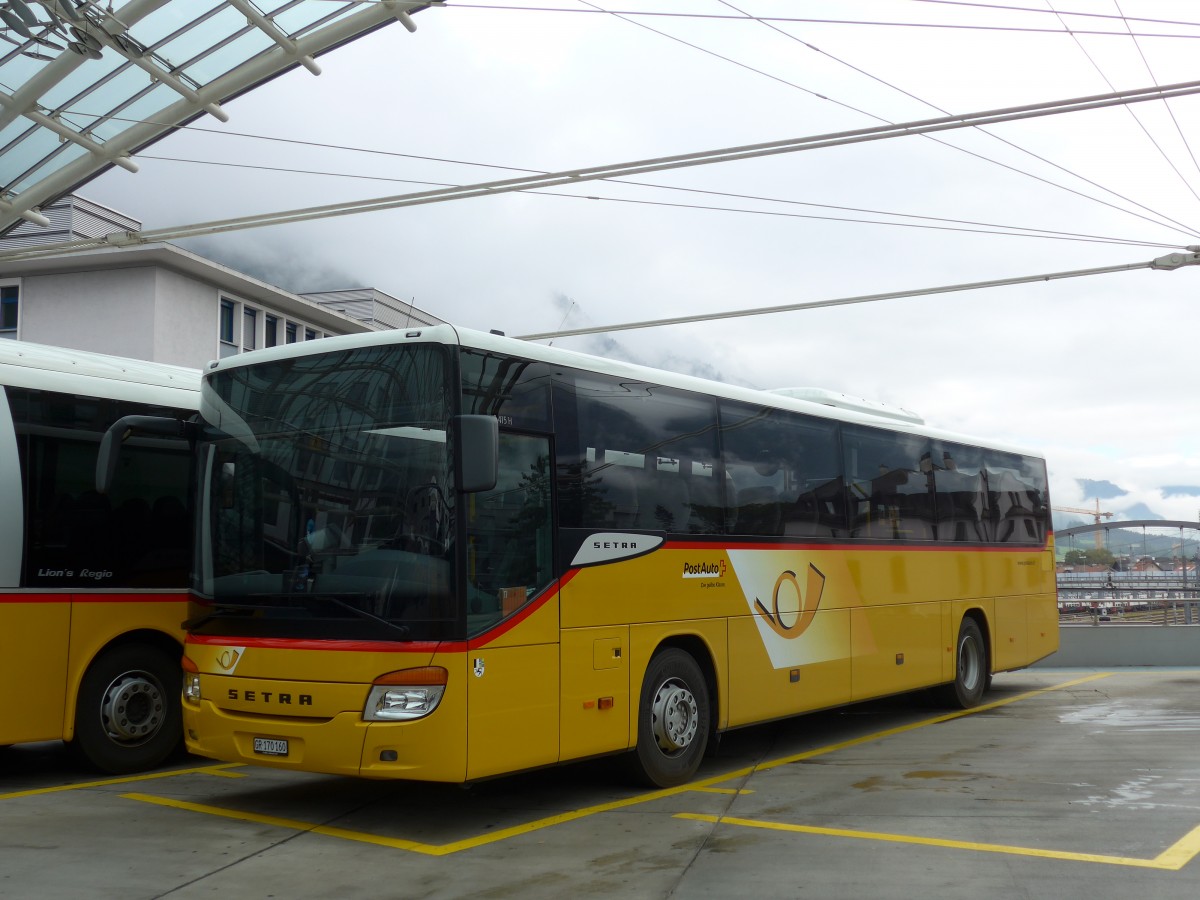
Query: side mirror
(110, 442)
(477, 450)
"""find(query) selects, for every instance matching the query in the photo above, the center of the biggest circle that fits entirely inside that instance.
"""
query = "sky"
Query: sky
(1096, 373)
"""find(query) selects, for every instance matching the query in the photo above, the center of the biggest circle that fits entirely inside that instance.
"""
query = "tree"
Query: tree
(1099, 557)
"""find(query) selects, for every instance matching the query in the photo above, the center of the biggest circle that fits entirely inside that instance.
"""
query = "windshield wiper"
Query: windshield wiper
(402, 630)
(243, 610)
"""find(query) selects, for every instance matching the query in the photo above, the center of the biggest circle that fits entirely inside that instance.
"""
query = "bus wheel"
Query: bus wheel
(673, 719)
(971, 676)
(127, 715)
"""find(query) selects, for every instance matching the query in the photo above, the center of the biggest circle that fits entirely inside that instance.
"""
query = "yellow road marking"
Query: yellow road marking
(217, 769)
(706, 785)
(1172, 859)
(400, 843)
(936, 720)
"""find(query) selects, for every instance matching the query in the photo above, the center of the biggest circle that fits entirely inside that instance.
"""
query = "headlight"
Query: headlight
(191, 681)
(406, 694)
(191, 688)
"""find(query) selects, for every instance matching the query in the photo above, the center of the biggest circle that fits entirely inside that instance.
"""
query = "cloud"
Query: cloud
(1091, 371)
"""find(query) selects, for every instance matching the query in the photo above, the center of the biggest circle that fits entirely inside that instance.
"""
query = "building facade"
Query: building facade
(162, 303)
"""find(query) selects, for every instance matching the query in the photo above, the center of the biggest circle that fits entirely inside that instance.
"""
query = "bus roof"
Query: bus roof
(863, 413)
(61, 369)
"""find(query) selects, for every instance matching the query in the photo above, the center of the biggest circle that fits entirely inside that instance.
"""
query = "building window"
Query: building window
(309, 334)
(9, 296)
(270, 331)
(249, 323)
(291, 332)
(228, 344)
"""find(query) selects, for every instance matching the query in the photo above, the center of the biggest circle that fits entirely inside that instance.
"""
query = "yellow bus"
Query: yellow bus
(93, 589)
(444, 555)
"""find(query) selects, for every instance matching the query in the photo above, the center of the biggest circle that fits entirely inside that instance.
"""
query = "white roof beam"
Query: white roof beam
(29, 215)
(273, 31)
(114, 155)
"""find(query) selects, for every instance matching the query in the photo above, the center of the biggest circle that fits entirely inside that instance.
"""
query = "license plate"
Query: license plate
(270, 747)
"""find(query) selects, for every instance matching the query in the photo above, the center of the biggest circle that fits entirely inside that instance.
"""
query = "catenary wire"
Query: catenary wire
(623, 181)
(1146, 62)
(1186, 229)
(990, 134)
(946, 224)
(1183, 228)
(1065, 12)
(1170, 262)
(815, 21)
(620, 169)
(1133, 113)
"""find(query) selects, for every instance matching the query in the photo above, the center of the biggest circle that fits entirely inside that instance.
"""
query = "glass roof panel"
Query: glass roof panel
(95, 69)
(214, 30)
(144, 108)
(16, 70)
(297, 18)
(59, 157)
(36, 144)
(83, 78)
(213, 65)
(170, 18)
(8, 134)
(111, 95)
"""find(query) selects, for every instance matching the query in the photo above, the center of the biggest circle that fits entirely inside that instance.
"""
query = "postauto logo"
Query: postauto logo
(704, 569)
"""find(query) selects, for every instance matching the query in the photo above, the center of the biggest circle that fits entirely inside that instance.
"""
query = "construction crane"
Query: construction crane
(1097, 513)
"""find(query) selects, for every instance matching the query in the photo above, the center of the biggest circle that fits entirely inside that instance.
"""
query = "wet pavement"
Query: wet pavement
(1065, 784)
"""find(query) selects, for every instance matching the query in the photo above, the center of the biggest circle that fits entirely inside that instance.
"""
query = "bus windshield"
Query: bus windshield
(327, 506)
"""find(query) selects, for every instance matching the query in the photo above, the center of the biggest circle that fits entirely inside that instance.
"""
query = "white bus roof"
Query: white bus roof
(893, 418)
(60, 369)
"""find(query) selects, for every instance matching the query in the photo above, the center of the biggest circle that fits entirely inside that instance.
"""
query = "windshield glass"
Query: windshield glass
(327, 505)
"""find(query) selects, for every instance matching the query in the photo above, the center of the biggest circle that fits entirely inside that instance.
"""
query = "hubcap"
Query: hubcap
(970, 666)
(674, 716)
(132, 708)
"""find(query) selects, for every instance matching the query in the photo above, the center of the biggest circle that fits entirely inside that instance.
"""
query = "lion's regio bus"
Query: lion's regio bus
(92, 588)
(446, 555)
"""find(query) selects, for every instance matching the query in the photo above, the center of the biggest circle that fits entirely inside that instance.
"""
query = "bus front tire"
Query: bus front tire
(127, 714)
(971, 671)
(674, 719)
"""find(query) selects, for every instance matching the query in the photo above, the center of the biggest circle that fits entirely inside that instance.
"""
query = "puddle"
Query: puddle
(1139, 718)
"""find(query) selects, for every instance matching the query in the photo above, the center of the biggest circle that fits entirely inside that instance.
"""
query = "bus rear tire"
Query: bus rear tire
(127, 715)
(972, 674)
(674, 720)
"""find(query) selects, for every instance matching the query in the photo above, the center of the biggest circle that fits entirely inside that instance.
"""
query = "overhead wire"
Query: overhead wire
(1146, 62)
(946, 224)
(1161, 219)
(990, 134)
(1065, 12)
(621, 169)
(815, 21)
(1142, 125)
(622, 181)
(1168, 263)
(1186, 229)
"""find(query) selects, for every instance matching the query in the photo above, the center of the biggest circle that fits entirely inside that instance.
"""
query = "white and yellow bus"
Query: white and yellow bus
(93, 589)
(446, 555)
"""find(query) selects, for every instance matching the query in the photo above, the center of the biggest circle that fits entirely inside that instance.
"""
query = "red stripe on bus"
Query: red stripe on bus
(67, 597)
(329, 644)
(895, 547)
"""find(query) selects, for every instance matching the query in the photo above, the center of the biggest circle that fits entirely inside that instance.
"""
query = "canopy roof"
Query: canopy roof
(85, 84)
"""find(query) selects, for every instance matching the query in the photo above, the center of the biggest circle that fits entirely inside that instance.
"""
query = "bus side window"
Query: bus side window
(785, 472)
(961, 498)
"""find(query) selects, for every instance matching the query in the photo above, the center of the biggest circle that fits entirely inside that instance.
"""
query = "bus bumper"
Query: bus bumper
(420, 750)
